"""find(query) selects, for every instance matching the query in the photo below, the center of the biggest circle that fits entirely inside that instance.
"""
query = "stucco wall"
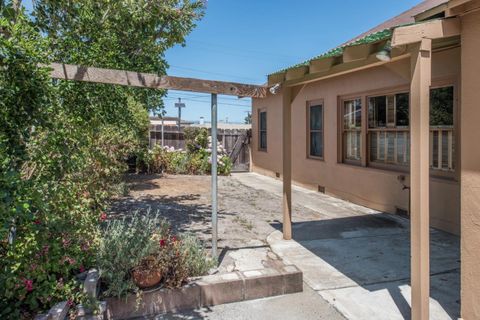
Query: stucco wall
(375, 188)
(470, 164)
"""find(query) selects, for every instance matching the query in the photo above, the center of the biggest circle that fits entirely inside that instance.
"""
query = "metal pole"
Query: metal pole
(179, 115)
(179, 105)
(214, 175)
(163, 143)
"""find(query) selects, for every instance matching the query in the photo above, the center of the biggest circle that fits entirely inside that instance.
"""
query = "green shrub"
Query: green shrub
(196, 160)
(126, 244)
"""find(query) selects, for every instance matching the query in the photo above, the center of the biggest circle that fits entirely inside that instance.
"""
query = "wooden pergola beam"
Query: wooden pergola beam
(434, 29)
(152, 81)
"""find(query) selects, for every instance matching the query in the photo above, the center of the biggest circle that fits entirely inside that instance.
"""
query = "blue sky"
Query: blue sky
(244, 40)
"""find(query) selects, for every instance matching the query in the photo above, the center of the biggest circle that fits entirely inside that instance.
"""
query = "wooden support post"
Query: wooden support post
(287, 162)
(419, 178)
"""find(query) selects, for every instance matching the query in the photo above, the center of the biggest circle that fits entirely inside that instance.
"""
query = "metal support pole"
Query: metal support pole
(163, 143)
(214, 175)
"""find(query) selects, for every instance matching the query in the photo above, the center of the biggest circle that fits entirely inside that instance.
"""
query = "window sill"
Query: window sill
(399, 170)
(309, 157)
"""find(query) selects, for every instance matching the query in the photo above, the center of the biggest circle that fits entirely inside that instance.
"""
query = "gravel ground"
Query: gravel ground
(245, 216)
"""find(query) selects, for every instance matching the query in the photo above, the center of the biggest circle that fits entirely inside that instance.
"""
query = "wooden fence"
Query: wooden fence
(235, 141)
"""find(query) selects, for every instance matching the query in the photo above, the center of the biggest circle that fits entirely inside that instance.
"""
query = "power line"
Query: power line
(209, 44)
(204, 95)
(213, 73)
(223, 103)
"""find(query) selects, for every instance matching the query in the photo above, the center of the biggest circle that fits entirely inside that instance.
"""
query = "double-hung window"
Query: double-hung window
(262, 130)
(442, 141)
(388, 129)
(315, 130)
(352, 130)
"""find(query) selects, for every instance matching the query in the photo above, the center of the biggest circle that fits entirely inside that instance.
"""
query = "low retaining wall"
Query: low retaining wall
(208, 291)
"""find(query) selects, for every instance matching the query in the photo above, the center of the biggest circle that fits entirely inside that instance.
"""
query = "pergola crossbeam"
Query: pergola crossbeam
(435, 29)
(152, 81)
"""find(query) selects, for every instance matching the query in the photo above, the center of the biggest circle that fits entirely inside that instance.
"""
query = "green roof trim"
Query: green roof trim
(370, 38)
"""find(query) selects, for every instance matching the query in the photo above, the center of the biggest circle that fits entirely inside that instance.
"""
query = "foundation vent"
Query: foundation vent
(321, 189)
(401, 212)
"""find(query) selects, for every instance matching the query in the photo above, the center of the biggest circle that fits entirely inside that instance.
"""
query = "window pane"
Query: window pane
(377, 112)
(402, 148)
(391, 111)
(352, 143)
(373, 145)
(263, 140)
(316, 144)
(352, 114)
(441, 106)
(316, 118)
(263, 121)
(444, 150)
(358, 113)
(402, 103)
(390, 147)
(435, 149)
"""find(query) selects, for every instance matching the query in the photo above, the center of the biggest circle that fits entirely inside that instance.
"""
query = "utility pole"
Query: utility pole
(179, 105)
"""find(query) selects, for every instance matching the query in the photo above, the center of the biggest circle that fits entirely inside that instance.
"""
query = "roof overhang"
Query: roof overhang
(362, 56)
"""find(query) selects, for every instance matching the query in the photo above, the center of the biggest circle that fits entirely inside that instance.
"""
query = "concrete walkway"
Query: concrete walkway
(358, 259)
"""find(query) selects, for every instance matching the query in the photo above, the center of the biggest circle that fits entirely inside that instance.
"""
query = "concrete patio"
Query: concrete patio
(358, 259)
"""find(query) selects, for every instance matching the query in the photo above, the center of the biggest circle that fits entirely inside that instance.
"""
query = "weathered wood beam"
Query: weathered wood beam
(421, 78)
(455, 3)
(434, 29)
(146, 80)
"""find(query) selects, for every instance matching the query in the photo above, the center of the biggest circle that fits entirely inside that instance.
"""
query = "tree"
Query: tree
(248, 118)
(62, 143)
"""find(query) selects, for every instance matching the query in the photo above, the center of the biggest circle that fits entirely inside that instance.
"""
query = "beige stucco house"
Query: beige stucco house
(393, 109)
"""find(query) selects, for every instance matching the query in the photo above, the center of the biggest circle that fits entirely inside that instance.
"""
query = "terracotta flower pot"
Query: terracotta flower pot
(146, 277)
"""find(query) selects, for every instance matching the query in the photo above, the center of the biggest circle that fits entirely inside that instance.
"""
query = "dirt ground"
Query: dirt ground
(245, 216)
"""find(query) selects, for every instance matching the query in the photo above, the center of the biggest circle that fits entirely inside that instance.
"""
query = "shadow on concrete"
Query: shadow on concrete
(374, 252)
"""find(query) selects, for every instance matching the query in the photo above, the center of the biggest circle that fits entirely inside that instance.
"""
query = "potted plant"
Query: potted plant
(147, 274)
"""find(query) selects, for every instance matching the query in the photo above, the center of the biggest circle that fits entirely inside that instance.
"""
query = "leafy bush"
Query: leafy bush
(195, 160)
(63, 144)
(122, 247)
(126, 244)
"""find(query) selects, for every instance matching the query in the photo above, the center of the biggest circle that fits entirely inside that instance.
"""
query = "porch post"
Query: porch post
(287, 162)
(419, 178)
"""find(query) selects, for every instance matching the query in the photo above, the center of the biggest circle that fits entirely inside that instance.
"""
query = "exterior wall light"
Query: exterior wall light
(386, 53)
(274, 89)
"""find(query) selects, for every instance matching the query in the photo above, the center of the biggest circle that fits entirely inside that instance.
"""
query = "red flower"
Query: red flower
(103, 216)
(163, 243)
(174, 239)
(82, 268)
(37, 222)
(28, 284)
